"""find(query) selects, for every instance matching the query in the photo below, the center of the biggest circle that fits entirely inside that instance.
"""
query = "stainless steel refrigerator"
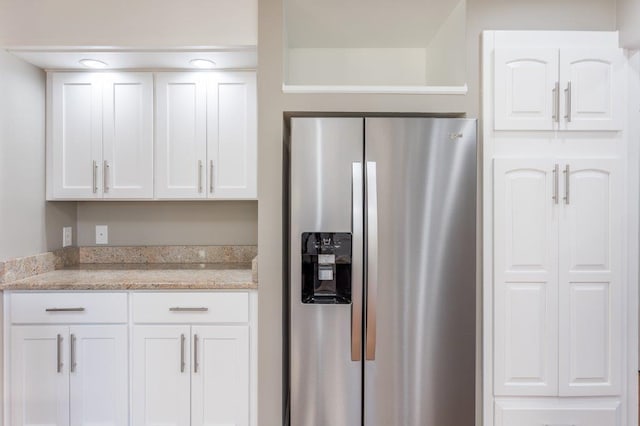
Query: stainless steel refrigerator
(380, 271)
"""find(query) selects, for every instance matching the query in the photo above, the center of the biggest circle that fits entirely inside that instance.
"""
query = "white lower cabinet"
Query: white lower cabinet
(190, 375)
(557, 413)
(73, 358)
(68, 375)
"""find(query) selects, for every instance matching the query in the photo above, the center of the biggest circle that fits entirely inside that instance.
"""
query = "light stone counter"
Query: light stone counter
(225, 276)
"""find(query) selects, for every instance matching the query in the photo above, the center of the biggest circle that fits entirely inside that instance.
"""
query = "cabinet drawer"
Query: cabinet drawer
(68, 308)
(554, 412)
(190, 307)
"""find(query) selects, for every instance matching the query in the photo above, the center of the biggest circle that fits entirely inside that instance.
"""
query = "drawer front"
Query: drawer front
(68, 308)
(558, 413)
(181, 308)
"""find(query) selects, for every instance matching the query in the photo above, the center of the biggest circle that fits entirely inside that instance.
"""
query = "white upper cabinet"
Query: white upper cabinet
(592, 83)
(206, 135)
(100, 142)
(232, 135)
(558, 89)
(181, 135)
(128, 136)
(75, 138)
(525, 88)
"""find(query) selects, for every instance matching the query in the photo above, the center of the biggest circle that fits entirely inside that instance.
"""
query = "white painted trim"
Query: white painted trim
(632, 136)
(400, 90)
(486, 125)
(555, 39)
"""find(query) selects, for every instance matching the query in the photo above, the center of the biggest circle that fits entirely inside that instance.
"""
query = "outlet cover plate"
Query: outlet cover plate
(102, 234)
(67, 236)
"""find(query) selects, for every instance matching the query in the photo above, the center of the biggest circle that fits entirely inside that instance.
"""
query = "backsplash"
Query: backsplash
(169, 254)
(25, 267)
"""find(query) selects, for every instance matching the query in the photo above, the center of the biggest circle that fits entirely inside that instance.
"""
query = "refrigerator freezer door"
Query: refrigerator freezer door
(325, 191)
(423, 371)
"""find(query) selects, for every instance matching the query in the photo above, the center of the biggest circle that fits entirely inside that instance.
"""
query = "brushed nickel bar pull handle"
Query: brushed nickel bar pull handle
(95, 176)
(64, 310)
(182, 363)
(199, 175)
(195, 353)
(211, 176)
(356, 271)
(567, 92)
(59, 353)
(556, 183)
(556, 102)
(105, 176)
(73, 353)
(567, 184)
(372, 260)
(187, 309)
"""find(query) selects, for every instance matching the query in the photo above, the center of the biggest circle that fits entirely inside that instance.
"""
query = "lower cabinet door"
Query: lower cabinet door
(220, 376)
(558, 413)
(161, 375)
(98, 375)
(39, 376)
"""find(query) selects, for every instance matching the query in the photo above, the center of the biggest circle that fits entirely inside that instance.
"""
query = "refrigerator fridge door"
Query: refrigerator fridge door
(421, 265)
(326, 202)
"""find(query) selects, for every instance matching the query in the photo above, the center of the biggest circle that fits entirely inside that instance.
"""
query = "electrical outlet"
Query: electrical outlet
(102, 234)
(67, 236)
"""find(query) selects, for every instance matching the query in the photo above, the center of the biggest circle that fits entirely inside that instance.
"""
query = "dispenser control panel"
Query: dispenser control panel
(326, 267)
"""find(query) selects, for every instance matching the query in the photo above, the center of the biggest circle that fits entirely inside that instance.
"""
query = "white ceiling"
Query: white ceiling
(364, 23)
(148, 59)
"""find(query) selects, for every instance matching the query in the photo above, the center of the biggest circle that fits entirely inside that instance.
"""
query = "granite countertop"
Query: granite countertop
(163, 276)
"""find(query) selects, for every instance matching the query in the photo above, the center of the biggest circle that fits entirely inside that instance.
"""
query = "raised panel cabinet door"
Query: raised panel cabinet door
(556, 412)
(525, 89)
(99, 375)
(39, 376)
(590, 287)
(161, 375)
(591, 82)
(181, 135)
(525, 277)
(220, 376)
(75, 136)
(232, 137)
(128, 136)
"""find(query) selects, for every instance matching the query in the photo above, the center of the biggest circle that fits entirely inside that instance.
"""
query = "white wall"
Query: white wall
(128, 22)
(481, 15)
(170, 223)
(629, 23)
(28, 224)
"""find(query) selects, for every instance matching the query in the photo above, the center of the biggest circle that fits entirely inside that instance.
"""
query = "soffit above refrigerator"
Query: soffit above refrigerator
(116, 58)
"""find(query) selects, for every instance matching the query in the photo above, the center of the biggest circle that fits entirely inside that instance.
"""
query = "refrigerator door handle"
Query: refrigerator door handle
(372, 259)
(357, 264)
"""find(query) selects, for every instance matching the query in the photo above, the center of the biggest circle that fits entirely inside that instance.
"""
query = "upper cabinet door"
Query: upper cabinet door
(592, 88)
(75, 132)
(220, 380)
(128, 136)
(181, 135)
(526, 95)
(39, 375)
(525, 277)
(232, 138)
(99, 375)
(590, 279)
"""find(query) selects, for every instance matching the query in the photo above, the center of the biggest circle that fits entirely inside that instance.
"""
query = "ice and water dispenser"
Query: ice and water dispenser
(326, 267)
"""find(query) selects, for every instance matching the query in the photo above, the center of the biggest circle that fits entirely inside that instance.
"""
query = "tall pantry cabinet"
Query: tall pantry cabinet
(556, 281)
